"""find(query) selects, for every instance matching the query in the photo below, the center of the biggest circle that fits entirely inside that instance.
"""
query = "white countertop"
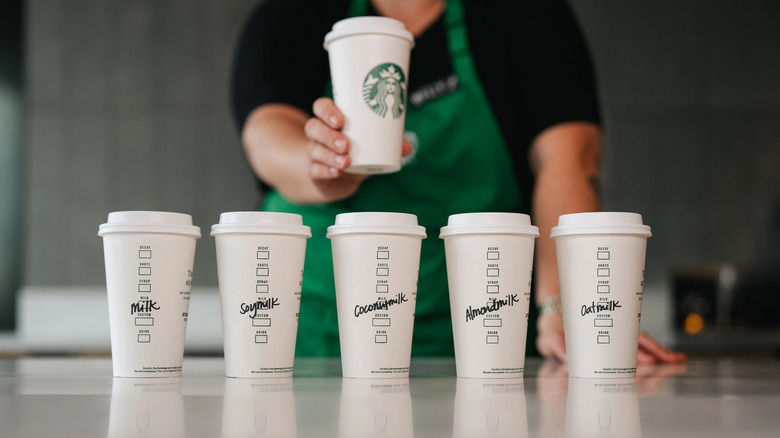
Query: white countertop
(78, 397)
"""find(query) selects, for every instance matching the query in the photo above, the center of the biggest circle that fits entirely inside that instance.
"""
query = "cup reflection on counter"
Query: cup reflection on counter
(490, 407)
(258, 408)
(375, 407)
(602, 407)
(146, 408)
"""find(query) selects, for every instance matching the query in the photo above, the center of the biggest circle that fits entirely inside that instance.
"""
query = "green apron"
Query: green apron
(461, 164)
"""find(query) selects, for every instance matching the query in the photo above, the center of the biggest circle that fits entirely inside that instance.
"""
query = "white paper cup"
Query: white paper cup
(601, 260)
(149, 257)
(375, 408)
(602, 407)
(259, 409)
(376, 261)
(489, 263)
(146, 408)
(486, 407)
(260, 258)
(369, 68)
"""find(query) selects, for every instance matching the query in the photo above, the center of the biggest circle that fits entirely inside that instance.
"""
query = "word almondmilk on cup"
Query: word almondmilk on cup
(489, 262)
(260, 258)
(149, 257)
(376, 261)
(601, 260)
(369, 68)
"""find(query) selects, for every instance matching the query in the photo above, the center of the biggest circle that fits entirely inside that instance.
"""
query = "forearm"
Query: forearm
(568, 192)
(276, 148)
(566, 165)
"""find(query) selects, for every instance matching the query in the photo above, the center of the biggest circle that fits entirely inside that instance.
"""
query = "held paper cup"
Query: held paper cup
(601, 260)
(369, 68)
(260, 259)
(376, 261)
(149, 257)
(489, 262)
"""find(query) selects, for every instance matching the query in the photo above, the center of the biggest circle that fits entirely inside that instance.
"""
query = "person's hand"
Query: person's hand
(650, 351)
(551, 343)
(329, 149)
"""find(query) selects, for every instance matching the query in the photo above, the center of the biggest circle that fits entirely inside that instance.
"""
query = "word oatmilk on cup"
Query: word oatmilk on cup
(601, 262)
(260, 258)
(369, 68)
(489, 263)
(149, 257)
(376, 262)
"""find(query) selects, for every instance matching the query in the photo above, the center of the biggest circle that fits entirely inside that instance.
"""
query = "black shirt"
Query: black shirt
(530, 57)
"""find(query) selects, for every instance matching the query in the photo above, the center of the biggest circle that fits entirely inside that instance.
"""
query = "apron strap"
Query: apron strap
(458, 41)
(357, 8)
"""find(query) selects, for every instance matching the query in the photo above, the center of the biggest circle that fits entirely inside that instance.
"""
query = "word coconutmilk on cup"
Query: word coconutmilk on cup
(601, 261)
(489, 263)
(369, 68)
(149, 257)
(260, 258)
(376, 262)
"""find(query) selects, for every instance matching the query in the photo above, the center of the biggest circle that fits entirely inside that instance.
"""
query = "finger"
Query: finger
(326, 110)
(644, 358)
(559, 351)
(319, 171)
(318, 153)
(406, 148)
(650, 346)
(318, 131)
(551, 349)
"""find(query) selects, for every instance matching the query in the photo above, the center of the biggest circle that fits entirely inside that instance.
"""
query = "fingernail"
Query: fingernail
(340, 160)
(334, 120)
(340, 144)
(333, 170)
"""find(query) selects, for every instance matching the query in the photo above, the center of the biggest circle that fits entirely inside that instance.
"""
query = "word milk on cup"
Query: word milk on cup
(489, 262)
(260, 258)
(369, 68)
(601, 262)
(376, 262)
(149, 257)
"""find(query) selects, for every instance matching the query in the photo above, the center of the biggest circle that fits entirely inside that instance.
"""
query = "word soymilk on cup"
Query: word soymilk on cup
(376, 262)
(601, 262)
(489, 263)
(369, 68)
(149, 257)
(260, 258)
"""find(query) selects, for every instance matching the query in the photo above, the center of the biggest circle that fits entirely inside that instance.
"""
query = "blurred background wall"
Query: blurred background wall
(126, 107)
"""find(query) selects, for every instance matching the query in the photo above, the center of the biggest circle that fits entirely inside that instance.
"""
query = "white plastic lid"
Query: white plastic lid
(489, 223)
(600, 223)
(368, 25)
(376, 223)
(149, 222)
(253, 222)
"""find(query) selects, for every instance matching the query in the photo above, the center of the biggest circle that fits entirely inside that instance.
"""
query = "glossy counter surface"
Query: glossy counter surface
(78, 397)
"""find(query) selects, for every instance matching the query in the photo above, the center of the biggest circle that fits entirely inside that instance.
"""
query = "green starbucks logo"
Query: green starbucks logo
(385, 89)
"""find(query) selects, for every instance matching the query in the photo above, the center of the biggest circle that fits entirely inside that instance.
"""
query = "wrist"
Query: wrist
(550, 306)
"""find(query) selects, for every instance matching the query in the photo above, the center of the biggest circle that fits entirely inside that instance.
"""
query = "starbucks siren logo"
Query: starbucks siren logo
(385, 89)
